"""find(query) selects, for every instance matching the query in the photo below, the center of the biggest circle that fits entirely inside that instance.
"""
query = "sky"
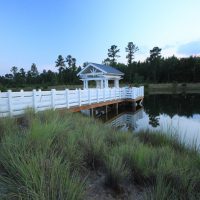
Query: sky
(37, 31)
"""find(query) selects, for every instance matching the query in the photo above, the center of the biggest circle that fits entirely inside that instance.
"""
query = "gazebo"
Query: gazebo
(101, 74)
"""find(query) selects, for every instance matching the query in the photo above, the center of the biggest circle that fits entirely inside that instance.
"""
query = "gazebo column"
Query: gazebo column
(86, 84)
(116, 83)
(102, 83)
(106, 83)
(83, 84)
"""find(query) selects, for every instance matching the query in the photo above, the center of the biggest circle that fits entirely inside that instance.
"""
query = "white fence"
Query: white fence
(15, 103)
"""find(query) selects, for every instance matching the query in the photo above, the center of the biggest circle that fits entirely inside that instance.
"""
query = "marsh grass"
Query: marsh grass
(160, 191)
(116, 172)
(48, 155)
(33, 169)
(8, 126)
(158, 139)
(93, 148)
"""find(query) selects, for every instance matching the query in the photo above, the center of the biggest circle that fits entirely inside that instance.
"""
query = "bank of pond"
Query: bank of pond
(60, 155)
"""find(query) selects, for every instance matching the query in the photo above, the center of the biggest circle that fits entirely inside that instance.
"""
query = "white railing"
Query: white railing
(15, 103)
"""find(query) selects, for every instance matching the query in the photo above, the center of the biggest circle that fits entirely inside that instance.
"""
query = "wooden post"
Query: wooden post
(124, 92)
(67, 97)
(22, 94)
(106, 112)
(92, 114)
(53, 98)
(104, 94)
(97, 95)
(22, 91)
(79, 96)
(117, 107)
(134, 106)
(34, 100)
(10, 103)
(39, 95)
(132, 93)
(120, 93)
(89, 96)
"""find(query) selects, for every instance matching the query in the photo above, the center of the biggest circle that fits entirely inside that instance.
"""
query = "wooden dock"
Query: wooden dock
(96, 105)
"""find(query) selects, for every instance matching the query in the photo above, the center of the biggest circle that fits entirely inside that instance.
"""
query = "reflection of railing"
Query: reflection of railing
(15, 103)
(127, 119)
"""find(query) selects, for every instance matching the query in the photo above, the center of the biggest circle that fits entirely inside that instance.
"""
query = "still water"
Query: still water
(175, 114)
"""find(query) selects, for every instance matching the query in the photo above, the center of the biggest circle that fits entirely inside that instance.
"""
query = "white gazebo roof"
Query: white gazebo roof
(104, 69)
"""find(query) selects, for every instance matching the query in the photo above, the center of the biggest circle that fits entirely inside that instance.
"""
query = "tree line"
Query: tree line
(155, 69)
(67, 74)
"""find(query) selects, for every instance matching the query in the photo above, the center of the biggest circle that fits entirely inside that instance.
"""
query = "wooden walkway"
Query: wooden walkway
(96, 105)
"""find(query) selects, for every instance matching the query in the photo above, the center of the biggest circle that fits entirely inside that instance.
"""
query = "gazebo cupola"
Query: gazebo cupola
(101, 74)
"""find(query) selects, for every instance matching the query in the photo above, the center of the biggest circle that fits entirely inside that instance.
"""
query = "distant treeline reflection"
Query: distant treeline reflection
(176, 104)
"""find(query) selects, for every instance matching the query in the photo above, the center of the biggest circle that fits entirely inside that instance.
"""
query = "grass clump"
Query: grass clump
(158, 139)
(8, 126)
(41, 178)
(93, 148)
(116, 172)
(160, 191)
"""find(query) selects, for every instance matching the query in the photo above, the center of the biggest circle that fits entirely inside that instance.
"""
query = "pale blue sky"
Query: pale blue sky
(39, 30)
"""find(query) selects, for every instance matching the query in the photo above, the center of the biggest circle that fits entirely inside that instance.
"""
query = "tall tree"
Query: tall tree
(22, 76)
(74, 64)
(131, 49)
(34, 71)
(112, 54)
(14, 71)
(69, 61)
(60, 63)
(155, 53)
(155, 61)
(106, 61)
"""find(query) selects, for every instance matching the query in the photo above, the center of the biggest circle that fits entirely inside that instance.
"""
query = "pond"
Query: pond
(170, 113)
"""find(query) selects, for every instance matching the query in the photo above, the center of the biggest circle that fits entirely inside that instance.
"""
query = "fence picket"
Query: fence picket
(79, 96)
(53, 98)
(67, 97)
(10, 102)
(34, 100)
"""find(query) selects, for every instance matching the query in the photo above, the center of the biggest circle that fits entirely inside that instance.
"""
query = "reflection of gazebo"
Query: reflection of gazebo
(102, 74)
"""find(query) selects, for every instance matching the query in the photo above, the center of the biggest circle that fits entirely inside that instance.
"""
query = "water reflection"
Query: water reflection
(179, 114)
(186, 129)
(127, 120)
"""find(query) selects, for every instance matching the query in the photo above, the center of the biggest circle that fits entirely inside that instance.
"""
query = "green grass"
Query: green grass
(49, 155)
